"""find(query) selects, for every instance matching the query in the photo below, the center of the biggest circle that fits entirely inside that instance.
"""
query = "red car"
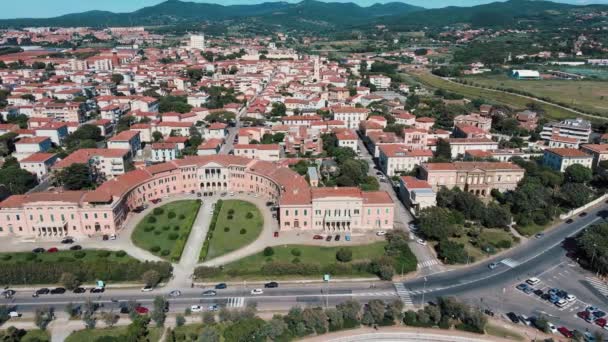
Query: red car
(276, 234)
(156, 200)
(52, 250)
(601, 322)
(566, 332)
(317, 237)
(141, 310)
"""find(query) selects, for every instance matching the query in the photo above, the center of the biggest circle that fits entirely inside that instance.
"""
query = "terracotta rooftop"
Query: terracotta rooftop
(568, 152)
(415, 183)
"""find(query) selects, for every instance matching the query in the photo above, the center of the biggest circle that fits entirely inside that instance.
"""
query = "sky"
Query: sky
(52, 8)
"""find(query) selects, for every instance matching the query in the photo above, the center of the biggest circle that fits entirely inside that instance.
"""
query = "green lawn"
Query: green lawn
(250, 267)
(234, 229)
(90, 335)
(488, 236)
(165, 232)
(590, 96)
(514, 101)
(84, 255)
(531, 229)
(501, 332)
(31, 335)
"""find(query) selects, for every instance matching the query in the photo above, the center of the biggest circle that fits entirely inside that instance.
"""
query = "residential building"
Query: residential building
(416, 194)
(559, 159)
(163, 152)
(460, 146)
(269, 152)
(599, 152)
(351, 116)
(578, 129)
(397, 158)
(475, 120)
(103, 163)
(348, 138)
(39, 164)
(129, 140)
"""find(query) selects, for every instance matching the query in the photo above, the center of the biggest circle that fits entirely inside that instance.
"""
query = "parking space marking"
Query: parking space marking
(598, 285)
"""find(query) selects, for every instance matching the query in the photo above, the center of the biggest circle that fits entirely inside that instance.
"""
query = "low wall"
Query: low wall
(586, 206)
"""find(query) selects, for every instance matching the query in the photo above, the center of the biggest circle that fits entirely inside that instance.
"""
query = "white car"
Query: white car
(552, 328)
(14, 314)
(257, 291)
(231, 194)
(421, 242)
(113, 237)
(196, 308)
(381, 233)
(147, 289)
(570, 298)
(533, 281)
(561, 303)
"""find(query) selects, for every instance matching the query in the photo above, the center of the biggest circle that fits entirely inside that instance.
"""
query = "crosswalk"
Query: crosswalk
(235, 302)
(428, 263)
(510, 262)
(374, 294)
(598, 285)
(403, 294)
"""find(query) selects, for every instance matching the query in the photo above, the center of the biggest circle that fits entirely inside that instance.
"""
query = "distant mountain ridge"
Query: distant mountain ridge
(176, 12)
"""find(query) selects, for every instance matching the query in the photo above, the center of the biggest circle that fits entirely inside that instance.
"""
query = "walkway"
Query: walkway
(182, 272)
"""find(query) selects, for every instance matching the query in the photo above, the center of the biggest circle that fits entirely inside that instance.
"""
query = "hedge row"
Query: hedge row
(216, 213)
(180, 243)
(87, 271)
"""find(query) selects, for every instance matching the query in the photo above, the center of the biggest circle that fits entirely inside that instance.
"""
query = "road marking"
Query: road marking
(598, 285)
(510, 262)
(428, 263)
(235, 302)
(403, 294)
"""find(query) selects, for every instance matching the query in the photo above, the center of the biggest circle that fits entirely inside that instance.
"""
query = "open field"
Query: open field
(239, 223)
(512, 100)
(165, 231)
(94, 334)
(251, 266)
(590, 96)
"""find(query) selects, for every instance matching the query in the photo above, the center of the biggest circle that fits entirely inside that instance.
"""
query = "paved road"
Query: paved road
(427, 261)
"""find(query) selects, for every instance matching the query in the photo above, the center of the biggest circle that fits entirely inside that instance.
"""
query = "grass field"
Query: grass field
(498, 331)
(512, 100)
(229, 235)
(91, 335)
(590, 96)
(84, 255)
(165, 233)
(487, 237)
(250, 266)
(30, 336)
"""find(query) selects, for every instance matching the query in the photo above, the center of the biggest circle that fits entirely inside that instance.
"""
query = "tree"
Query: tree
(575, 194)
(452, 252)
(137, 331)
(43, 317)
(278, 109)
(335, 319)
(376, 308)
(151, 278)
(124, 123)
(180, 320)
(158, 314)
(17, 180)
(84, 132)
(577, 173)
(75, 177)
(274, 328)
(208, 317)
(496, 216)
(268, 251)
(157, 136)
(351, 312)
(436, 223)
(593, 245)
(69, 281)
(110, 318)
(443, 150)
(117, 78)
(245, 330)
(344, 255)
(209, 334)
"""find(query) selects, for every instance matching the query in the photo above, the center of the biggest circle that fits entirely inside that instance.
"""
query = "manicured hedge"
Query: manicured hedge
(216, 213)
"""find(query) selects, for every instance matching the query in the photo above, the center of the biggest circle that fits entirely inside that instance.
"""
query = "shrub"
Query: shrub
(296, 260)
(30, 257)
(231, 212)
(80, 254)
(158, 211)
(230, 217)
(165, 252)
(166, 228)
(503, 244)
(344, 255)
(157, 232)
(176, 228)
(173, 236)
(206, 272)
(155, 249)
(226, 229)
(103, 254)
(7, 257)
(296, 252)
(151, 219)
(171, 215)
(121, 254)
(268, 251)
(182, 217)
(243, 231)
(148, 229)
(249, 215)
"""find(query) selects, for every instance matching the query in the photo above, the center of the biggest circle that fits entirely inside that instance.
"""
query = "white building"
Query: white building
(560, 158)
(197, 42)
(380, 81)
(416, 194)
(163, 152)
(351, 116)
(578, 129)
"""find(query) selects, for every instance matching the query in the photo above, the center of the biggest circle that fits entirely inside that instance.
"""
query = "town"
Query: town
(276, 185)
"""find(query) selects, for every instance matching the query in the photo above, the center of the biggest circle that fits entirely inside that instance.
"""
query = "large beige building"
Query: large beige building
(478, 178)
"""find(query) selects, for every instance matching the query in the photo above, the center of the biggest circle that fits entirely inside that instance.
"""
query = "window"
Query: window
(286, 212)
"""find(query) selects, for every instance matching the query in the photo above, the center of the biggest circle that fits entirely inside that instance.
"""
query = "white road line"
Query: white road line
(403, 294)
(428, 263)
(510, 262)
(598, 285)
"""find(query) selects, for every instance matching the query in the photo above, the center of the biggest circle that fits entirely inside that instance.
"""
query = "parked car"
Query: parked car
(533, 281)
(328, 238)
(492, 265)
(98, 290)
(141, 310)
(566, 332)
(570, 298)
(113, 237)
(209, 293)
(381, 233)
(257, 291)
(43, 291)
(528, 290)
(8, 293)
(522, 286)
(539, 235)
(513, 317)
(553, 291)
(196, 308)
(347, 237)
(213, 307)
(79, 290)
(52, 250)
(14, 314)
(276, 234)
(599, 313)
(561, 303)
(337, 237)
(583, 315)
(552, 328)
(221, 286)
(583, 214)
(271, 285)
(147, 289)
(317, 237)
(488, 312)
(568, 221)
(67, 241)
(105, 237)
(421, 242)
(76, 248)
(601, 322)
(539, 292)
(138, 209)
(38, 250)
